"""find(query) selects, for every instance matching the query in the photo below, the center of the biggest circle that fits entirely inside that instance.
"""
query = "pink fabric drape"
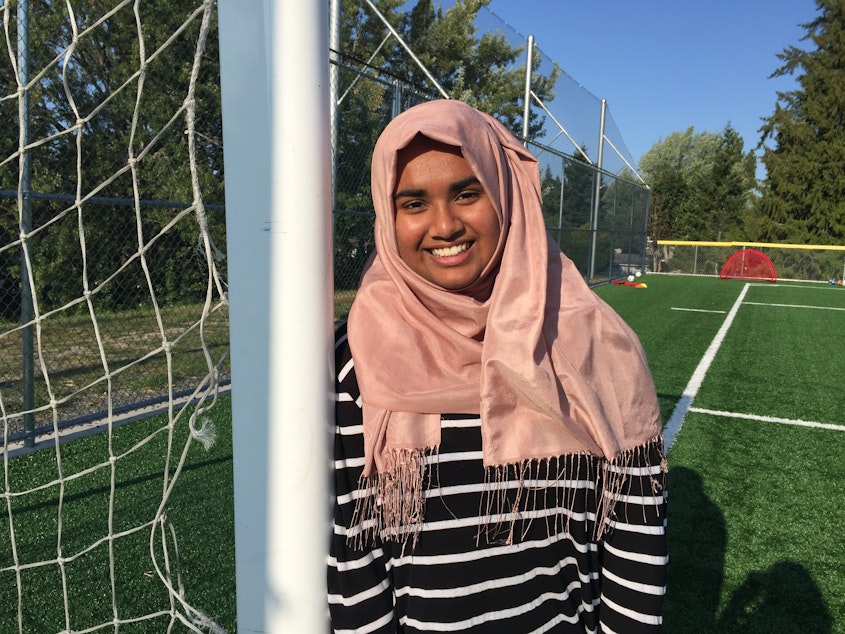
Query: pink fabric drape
(551, 369)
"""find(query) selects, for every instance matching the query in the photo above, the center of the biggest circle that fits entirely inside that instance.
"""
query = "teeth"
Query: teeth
(449, 251)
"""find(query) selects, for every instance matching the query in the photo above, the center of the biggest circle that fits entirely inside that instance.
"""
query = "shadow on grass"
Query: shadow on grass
(155, 476)
(783, 598)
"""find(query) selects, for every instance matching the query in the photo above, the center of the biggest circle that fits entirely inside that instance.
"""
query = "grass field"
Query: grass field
(74, 361)
(200, 508)
(756, 478)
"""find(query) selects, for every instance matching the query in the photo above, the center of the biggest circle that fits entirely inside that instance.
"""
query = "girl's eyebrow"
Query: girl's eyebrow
(409, 193)
(464, 183)
(454, 187)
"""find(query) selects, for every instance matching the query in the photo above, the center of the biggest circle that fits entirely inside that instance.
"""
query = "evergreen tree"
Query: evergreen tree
(731, 185)
(550, 188)
(579, 189)
(803, 197)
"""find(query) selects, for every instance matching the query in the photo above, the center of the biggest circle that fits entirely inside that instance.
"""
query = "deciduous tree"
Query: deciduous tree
(701, 185)
(107, 87)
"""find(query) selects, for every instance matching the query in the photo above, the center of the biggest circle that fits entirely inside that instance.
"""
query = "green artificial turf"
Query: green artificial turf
(754, 515)
(754, 518)
(199, 509)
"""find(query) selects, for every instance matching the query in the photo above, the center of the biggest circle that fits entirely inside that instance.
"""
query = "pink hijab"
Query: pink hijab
(551, 369)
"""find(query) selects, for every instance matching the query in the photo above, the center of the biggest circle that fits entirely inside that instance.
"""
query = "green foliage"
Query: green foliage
(483, 70)
(568, 211)
(803, 198)
(110, 103)
(701, 183)
(568, 205)
(353, 244)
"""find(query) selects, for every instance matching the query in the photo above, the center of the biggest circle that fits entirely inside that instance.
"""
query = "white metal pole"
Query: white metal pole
(278, 194)
(526, 100)
(597, 199)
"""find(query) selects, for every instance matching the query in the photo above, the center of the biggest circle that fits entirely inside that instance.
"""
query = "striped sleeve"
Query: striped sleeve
(359, 588)
(634, 553)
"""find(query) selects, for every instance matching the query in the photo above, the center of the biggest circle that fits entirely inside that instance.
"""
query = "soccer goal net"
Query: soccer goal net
(112, 306)
(749, 264)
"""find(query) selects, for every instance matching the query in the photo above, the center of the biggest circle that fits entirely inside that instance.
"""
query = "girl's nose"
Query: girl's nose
(446, 224)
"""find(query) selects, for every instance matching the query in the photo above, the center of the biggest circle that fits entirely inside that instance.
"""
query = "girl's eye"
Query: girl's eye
(467, 195)
(412, 205)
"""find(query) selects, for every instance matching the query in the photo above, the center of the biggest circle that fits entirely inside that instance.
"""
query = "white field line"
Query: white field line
(793, 306)
(95, 426)
(699, 310)
(814, 286)
(768, 419)
(685, 402)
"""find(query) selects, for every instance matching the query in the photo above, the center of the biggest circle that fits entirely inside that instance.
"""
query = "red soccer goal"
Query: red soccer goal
(749, 264)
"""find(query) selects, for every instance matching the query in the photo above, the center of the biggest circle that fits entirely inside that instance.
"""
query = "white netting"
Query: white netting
(112, 304)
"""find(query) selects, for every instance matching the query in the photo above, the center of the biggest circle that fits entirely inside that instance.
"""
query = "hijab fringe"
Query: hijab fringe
(391, 504)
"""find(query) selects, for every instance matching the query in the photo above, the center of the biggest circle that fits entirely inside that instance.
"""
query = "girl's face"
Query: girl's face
(447, 229)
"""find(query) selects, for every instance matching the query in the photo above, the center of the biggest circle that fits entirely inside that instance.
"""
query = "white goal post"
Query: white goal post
(115, 303)
(274, 79)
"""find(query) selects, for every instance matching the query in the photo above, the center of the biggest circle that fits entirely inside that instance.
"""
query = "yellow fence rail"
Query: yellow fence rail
(802, 262)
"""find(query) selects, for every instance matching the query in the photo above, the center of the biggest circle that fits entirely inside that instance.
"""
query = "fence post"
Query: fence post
(526, 106)
(25, 205)
(594, 225)
(397, 99)
(335, 14)
(560, 200)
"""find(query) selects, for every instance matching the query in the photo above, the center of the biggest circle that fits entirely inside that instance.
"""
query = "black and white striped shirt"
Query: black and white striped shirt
(462, 575)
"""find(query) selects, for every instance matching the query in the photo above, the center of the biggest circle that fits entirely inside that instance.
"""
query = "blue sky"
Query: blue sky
(666, 65)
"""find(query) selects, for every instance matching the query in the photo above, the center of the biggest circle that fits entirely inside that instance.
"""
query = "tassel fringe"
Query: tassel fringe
(391, 504)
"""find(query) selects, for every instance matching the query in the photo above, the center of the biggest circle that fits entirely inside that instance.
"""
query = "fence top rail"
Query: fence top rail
(754, 245)
(628, 178)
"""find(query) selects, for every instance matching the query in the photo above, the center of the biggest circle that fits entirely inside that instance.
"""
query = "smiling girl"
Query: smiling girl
(499, 462)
